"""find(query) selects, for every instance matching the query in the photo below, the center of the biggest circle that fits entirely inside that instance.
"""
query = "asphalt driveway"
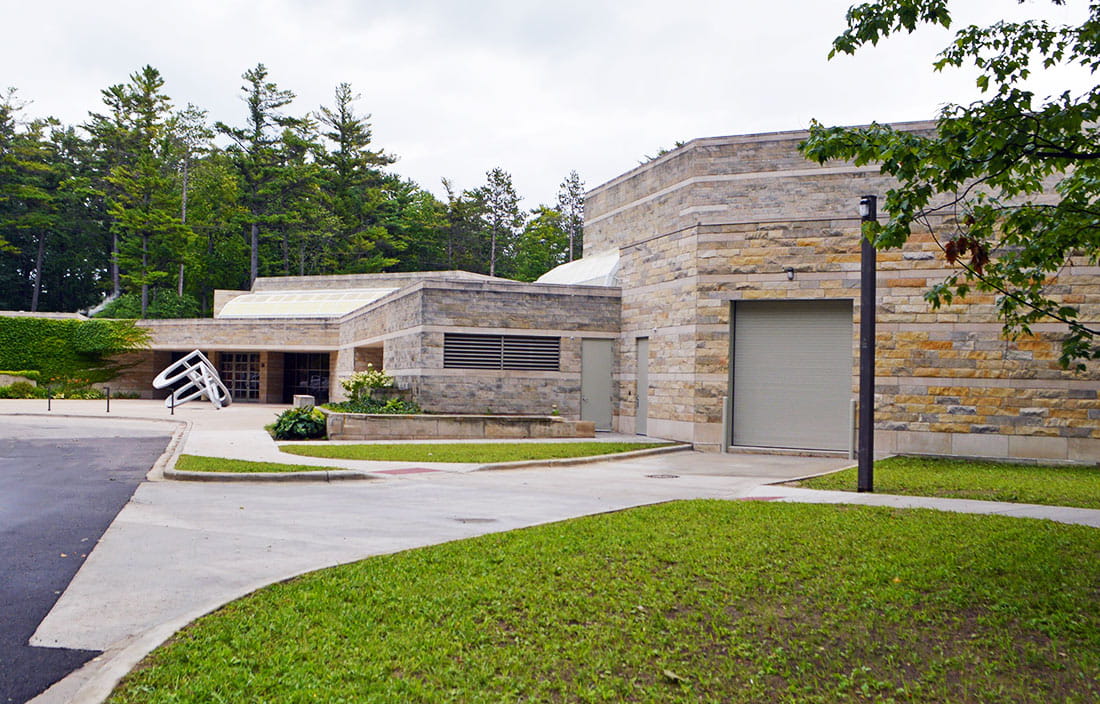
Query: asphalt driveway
(62, 482)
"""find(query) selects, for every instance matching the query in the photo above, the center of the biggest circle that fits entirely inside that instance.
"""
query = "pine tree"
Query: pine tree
(354, 184)
(503, 220)
(191, 136)
(571, 207)
(257, 153)
(143, 203)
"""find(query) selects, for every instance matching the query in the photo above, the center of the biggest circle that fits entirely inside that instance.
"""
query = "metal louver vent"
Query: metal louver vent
(462, 351)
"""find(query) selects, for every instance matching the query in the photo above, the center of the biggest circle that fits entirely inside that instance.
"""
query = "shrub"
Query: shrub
(369, 405)
(26, 373)
(162, 304)
(360, 385)
(299, 424)
(22, 389)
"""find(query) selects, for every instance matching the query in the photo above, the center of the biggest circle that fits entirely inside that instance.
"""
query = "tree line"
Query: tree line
(158, 206)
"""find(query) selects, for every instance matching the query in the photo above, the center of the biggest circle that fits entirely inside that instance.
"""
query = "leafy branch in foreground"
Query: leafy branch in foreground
(1008, 185)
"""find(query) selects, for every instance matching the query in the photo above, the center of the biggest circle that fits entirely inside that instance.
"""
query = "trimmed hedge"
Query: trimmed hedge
(31, 374)
(162, 304)
(73, 351)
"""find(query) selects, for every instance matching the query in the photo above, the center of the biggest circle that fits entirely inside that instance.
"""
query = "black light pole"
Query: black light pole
(868, 212)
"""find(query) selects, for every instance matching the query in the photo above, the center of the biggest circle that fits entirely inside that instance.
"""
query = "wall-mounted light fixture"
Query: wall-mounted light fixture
(790, 273)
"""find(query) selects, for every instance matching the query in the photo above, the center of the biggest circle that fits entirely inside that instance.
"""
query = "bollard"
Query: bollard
(49, 399)
(172, 402)
(107, 390)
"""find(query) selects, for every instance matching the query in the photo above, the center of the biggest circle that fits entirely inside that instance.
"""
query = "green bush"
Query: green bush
(71, 351)
(22, 389)
(360, 385)
(162, 304)
(299, 424)
(369, 405)
(28, 373)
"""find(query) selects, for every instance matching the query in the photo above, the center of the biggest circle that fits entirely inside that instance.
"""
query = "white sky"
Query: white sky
(537, 88)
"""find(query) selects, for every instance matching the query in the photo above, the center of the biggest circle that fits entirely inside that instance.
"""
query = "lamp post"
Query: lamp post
(868, 212)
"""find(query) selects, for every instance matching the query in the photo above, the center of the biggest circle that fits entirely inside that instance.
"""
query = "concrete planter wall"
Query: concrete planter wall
(376, 426)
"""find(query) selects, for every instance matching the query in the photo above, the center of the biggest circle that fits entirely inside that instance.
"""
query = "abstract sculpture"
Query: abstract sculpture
(202, 379)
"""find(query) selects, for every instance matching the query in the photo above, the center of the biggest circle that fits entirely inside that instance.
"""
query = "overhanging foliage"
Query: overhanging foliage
(1008, 185)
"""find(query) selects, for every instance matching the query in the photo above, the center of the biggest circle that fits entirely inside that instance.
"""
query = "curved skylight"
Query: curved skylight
(594, 270)
(301, 304)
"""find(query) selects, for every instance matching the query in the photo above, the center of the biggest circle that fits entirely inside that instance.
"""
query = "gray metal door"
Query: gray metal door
(596, 382)
(641, 412)
(792, 374)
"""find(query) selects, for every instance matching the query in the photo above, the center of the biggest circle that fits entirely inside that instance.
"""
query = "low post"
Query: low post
(49, 398)
(107, 390)
(172, 402)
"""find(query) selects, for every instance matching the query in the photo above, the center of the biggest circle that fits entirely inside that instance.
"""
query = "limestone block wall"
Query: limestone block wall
(721, 219)
(245, 334)
(659, 284)
(570, 313)
(408, 328)
(948, 382)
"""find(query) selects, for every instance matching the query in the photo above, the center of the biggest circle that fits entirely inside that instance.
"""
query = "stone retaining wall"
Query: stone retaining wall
(371, 426)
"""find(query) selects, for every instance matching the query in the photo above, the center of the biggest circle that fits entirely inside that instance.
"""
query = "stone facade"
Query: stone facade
(722, 220)
(403, 333)
(406, 331)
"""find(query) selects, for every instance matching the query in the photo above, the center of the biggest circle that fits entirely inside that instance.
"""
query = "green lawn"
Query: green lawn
(468, 452)
(196, 463)
(966, 479)
(701, 601)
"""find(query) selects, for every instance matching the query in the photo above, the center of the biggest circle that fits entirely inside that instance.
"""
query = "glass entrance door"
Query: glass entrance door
(240, 372)
(305, 373)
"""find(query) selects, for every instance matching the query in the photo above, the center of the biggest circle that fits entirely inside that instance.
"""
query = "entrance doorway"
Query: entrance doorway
(306, 373)
(240, 372)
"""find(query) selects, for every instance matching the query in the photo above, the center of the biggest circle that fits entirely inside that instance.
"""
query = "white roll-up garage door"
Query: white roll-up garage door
(792, 374)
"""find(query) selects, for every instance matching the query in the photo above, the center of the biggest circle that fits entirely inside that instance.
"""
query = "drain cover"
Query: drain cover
(476, 520)
(662, 476)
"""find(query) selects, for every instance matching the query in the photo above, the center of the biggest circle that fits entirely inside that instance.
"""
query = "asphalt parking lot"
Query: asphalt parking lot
(61, 485)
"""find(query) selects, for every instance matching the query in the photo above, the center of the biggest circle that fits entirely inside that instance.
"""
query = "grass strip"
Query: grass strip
(480, 453)
(197, 463)
(700, 601)
(970, 479)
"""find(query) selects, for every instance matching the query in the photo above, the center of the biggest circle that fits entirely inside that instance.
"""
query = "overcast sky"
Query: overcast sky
(537, 88)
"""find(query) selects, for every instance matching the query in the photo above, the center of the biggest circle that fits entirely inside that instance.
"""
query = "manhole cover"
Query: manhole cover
(476, 520)
(662, 476)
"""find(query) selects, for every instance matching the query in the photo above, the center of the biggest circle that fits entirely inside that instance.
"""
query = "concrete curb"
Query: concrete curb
(357, 474)
(806, 477)
(168, 458)
(318, 476)
(569, 461)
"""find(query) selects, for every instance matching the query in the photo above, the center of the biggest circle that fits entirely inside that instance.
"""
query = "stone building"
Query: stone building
(739, 270)
(717, 303)
(456, 342)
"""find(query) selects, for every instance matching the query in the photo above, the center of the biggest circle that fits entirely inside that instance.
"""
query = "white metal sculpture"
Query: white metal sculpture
(202, 380)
